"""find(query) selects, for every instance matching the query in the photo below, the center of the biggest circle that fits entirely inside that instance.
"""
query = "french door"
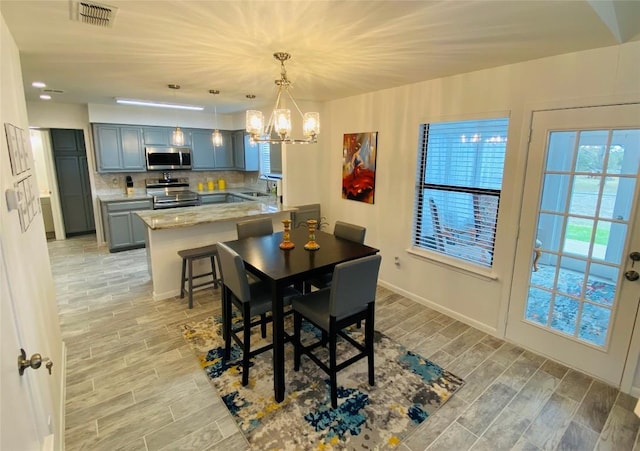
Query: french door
(573, 296)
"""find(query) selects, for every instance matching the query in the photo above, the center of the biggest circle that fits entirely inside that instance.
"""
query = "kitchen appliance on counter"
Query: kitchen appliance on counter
(168, 158)
(170, 192)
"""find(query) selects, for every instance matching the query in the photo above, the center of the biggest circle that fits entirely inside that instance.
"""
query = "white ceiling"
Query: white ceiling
(339, 48)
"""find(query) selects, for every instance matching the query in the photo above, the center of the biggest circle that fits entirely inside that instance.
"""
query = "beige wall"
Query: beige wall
(591, 77)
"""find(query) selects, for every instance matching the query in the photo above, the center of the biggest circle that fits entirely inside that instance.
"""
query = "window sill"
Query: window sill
(454, 264)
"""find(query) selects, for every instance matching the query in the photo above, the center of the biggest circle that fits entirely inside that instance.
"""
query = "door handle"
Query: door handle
(632, 275)
(34, 362)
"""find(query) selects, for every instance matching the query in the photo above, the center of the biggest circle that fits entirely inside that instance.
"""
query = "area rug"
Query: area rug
(408, 389)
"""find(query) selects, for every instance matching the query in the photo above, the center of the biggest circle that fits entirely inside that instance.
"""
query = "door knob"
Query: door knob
(34, 362)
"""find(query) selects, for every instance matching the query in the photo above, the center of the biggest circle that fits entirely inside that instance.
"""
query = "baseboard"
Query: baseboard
(432, 305)
(63, 391)
(635, 392)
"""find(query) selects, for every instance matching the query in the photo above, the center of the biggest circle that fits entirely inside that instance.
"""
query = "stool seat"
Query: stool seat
(188, 256)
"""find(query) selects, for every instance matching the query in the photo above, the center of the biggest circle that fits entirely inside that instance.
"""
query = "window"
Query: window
(458, 183)
(270, 160)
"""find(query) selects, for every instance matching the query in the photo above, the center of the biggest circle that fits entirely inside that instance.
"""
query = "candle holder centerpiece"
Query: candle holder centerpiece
(311, 244)
(286, 236)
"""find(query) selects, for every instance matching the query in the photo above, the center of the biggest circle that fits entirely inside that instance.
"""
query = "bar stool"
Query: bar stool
(188, 256)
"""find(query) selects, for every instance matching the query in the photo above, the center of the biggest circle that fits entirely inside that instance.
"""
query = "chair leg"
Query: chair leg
(306, 288)
(184, 270)
(368, 339)
(263, 325)
(227, 310)
(190, 283)
(333, 335)
(246, 342)
(214, 273)
(297, 324)
(359, 324)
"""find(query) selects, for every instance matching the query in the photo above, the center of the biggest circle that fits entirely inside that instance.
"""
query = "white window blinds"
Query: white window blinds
(265, 158)
(458, 183)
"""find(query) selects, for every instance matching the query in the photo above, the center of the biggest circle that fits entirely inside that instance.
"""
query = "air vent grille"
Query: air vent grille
(96, 14)
(53, 91)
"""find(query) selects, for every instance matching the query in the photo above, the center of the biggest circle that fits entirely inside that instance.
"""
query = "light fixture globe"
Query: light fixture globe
(278, 128)
(177, 136)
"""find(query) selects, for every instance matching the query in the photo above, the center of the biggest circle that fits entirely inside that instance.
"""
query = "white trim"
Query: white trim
(432, 305)
(454, 264)
(63, 390)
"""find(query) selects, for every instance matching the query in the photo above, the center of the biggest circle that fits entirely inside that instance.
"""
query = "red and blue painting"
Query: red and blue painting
(359, 152)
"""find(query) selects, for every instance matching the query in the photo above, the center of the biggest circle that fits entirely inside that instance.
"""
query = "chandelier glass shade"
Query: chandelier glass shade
(278, 128)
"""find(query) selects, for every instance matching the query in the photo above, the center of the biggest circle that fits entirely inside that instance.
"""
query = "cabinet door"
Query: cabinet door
(120, 232)
(67, 141)
(157, 136)
(138, 229)
(202, 150)
(251, 154)
(132, 149)
(223, 155)
(213, 199)
(107, 146)
(238, 149)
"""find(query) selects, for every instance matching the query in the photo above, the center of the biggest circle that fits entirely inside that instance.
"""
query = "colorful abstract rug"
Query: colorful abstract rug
(408, 389)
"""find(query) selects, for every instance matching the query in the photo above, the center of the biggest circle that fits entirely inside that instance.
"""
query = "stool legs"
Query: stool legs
(187, 277)
(182, 279)
(190, 283)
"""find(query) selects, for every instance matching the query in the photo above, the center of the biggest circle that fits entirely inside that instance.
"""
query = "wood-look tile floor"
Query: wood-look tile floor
(134, 384)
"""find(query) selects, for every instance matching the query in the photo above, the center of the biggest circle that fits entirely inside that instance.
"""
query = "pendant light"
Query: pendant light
(177, 137)
(216, 136)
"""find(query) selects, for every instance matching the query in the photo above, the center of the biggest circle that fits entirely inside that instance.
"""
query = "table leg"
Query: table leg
(278, 341)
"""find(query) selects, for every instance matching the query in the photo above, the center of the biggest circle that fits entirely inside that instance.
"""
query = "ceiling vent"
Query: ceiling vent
(53, 91)
(93, 13)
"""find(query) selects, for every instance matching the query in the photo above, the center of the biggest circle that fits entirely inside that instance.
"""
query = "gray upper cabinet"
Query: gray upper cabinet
(207, 157)
(118, 148)
(157, 136)
(245, 153)
(223, 154)
(202, 150)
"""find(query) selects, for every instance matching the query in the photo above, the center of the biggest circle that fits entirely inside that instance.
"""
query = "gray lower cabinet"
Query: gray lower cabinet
(122, 227)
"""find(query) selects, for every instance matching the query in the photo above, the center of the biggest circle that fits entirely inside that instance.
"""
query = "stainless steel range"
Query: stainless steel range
(170, 192)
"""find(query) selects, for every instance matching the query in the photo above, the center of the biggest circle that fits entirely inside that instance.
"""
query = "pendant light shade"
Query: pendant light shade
(177, 136)
(216, 136)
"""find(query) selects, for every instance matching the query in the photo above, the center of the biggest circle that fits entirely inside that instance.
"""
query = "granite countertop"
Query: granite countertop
(204, 214)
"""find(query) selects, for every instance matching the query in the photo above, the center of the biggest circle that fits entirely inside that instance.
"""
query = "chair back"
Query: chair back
(232, 272)
(349, 232)
(254, 227)
(304, 212)
(353, 285)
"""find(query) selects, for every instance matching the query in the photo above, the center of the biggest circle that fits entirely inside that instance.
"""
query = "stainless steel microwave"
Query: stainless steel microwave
(168, 158)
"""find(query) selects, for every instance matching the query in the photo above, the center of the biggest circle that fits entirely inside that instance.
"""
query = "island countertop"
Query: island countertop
(189, 216)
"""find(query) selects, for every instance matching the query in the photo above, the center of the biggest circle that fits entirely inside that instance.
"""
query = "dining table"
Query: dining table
(280, 268)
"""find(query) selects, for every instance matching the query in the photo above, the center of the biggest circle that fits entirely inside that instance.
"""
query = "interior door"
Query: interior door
(571, 299)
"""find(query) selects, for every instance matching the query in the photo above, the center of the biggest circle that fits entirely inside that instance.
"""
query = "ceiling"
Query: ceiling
(338, 48)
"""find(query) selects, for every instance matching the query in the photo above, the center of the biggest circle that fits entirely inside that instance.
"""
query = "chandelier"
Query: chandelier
(216, 136)
(278, 129)
(177, 136)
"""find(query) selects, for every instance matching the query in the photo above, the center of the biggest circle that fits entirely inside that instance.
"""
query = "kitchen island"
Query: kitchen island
(171, 230)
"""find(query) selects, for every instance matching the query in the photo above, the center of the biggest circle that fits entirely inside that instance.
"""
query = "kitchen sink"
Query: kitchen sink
(256, 194)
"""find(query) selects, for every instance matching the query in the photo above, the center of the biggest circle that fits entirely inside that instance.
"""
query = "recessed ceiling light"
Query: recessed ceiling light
(158, 104)
(38, 84)
(45, 96)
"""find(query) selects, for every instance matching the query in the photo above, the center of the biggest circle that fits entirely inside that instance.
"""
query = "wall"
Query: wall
(589, 77)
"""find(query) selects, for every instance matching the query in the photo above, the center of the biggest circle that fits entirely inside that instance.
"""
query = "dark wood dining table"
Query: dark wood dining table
(280, 268)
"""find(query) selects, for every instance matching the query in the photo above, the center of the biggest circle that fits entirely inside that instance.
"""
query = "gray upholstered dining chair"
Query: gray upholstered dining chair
(254, 227)
(250, 299)
(351, 232)
(351, 298)
(311, 211)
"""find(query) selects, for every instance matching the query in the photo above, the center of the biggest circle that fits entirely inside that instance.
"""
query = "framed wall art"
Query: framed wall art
(359, 152)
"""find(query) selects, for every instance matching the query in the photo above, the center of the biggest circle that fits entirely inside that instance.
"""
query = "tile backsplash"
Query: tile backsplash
(116, 181)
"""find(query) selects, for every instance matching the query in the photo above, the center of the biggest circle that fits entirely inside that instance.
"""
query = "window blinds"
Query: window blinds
(460, 167)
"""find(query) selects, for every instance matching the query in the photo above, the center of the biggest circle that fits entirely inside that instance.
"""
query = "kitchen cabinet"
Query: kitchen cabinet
(157, 136)
(119, 148)
(207, 157)
(245, 153)
(123, 228)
